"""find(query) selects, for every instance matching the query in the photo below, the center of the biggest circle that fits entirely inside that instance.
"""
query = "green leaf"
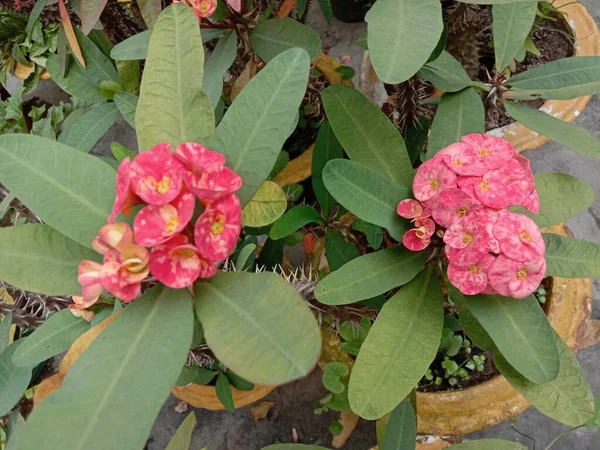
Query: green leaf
(562, 79)
(561, 197)
(401, 345)
(471, 326)
(332, 375)
(362, 41)
(85, 132)
(224, 392)
(293, 220)
(109, 406)
(204, 376)
(367, 194)
(182, 439)
(373, 233)
(69, 190)
(401, 430)
(267, 205)
(217, 64)
(458, 114)
(370, 275)
(54, 336)
(512, 24)
(110, 88)
(447, 74)
(172, 83)
(74, 82)
(337, 250)
(258, 326)
(34, 16)
(571, 258)
(402, 36)
(326, 148)
(440, 46)
(127, 105)
(567, 399)
(238, 382)
(259, 121)
(274, 36)
(567, 134)
(98, 66)
(488, 444)
(366, 133)
(521, 332)
(120, 152)
(326, 9)
(129, 73)
(15, 426)
(150, 10)
(135, 47)
(246, 257)
(5, 331)
(13, 380)
(89, 13)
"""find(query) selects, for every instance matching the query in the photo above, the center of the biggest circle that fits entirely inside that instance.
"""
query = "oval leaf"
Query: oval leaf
(367, 135)
(512, 24)
(447, 74)
(217, 64)
(224, 394)
(267, 205)
(74, 82)
(89, 13)
(183, 436)
(402, 34)
(293, 220)
(370, 275)
(98, 67)
(401, 345)
(85, 132)
(338, 251)
(367, 194)
(274, 36)
(571, 258)
(401, 429)
(521, 333)
(327, 147)
(258, 326)
(127, 104)
(135, 47)
(13, 379)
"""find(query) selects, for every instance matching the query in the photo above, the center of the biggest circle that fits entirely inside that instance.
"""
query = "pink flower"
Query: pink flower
(468, 240)
(113, 236)
(218, 228)
(462, 159)
(516, 279)
(467, 184)
(125, 197)
(431, 178)
(491, 152)
(493, 215)
(177, 263)
(471, 280)
(532, 203)
(412, 241)
(122, 273)
(156, 224)
(156, 175)
(411, 209)
(454, 204)
(89, 279)
(519, 237)
(202, 8)
(494, 190)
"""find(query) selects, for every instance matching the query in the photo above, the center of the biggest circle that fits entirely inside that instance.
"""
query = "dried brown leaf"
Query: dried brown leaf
(286, 8)
(243, 79)
(70, 32)
(592, 334)
(349, 420)
(260, 410)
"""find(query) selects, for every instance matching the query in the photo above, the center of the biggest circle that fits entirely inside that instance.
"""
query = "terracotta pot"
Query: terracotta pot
(22, 71)
(587, 43)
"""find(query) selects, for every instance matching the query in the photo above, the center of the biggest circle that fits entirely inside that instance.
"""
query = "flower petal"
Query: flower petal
(198, 156)
(125, 196)
(516, 279)
(409, 209)
(431, 178)
(519, 237)
(412, 242)
(218, 228)
(179, 266)
(213, 182)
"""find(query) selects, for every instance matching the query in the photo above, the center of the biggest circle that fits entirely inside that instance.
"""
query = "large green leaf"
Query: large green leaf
(470, 325)
(447, 74)
(561, 196)
(38, 258)
(399, 348)
(267, 205)
(89, 13)
(338, 251)
(5, 331)
(111, 396)
(293, 220)
(562, 79)
(217, 64)
(135, 47)
(458, 114)
(367, 194)
(13, 380)
(521, 332)
(54, 336)
(512, 24)
(327, 147)
(369, 275)
(571, 258)
(567, 134)
(172, 107)
(260, 119)
(150, 10)
(86, 131)
(127, 105)
(183, 436)
(366, 133)
(98, 67)
(274, 36)
(69, 190)
(568, 399)
(401, 429)
(223, 390)
(489, 444)
(258, 326)
(74, 82)
(402, 36)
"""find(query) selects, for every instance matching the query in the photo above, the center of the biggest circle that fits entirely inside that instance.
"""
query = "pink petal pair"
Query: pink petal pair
(125, 197)
(471, 280)
(490, 152)
(516, 279)
(468, 241)
(431, 179)
(218, 228)
(419, 238)
(519, 237)
(454, 204)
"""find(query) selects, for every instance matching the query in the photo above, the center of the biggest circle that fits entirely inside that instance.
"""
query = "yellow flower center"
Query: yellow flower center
(474, 269)
(467, 238)
(172, 225)
(525, 236)
(163, 186)
(184, 253)
(218, 225)
(462, 212)
(434, 184)
(458, 163)
(484, 152)
(521, 274)
(440, 233)
(484, 185)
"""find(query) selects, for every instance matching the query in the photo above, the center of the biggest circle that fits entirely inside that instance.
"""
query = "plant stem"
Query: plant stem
(217, 26)
(564, 433)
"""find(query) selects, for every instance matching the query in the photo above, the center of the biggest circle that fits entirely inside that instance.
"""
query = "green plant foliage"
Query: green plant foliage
(354, 335)
(86, 131)
(338, 251)
(373, 233)
(567, 399)
(54, 336)
(182, 439)
(150, 10)
(402, 36)
(127, 105)
(327, 147)
(293, 220)
(260, 119)
(521, 332)
(15, 425)
(74, 82)
(217, 64)
(5, 331)
(89, 12)
(512, 24)
(133, 48)
(73, 192)
(401, 429)
(120, 152)
(571, 258)
(369, 275)
(108, 407)
(238, 382)
(367, 194)
(367, 135)
(562, 79)
(258, 326)
(13, 379)
(99, 67)
(172, 84)
(332, 375)
(447, 74)
(274, 36)
(129, 72)
(267, 205)
(224, 392)
(469, 323)
(458, 114)
(567, 134)
(489, 444)
(399, 348)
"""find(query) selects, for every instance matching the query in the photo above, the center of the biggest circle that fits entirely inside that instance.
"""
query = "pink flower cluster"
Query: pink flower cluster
(464, 191)
(167, 183)
(202, 8)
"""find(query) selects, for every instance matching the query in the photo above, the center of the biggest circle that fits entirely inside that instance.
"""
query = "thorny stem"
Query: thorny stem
(564, 433)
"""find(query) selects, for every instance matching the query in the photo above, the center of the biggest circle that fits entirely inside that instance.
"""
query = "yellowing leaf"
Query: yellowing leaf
(297, 170)
(267, 205)
(70, 32)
